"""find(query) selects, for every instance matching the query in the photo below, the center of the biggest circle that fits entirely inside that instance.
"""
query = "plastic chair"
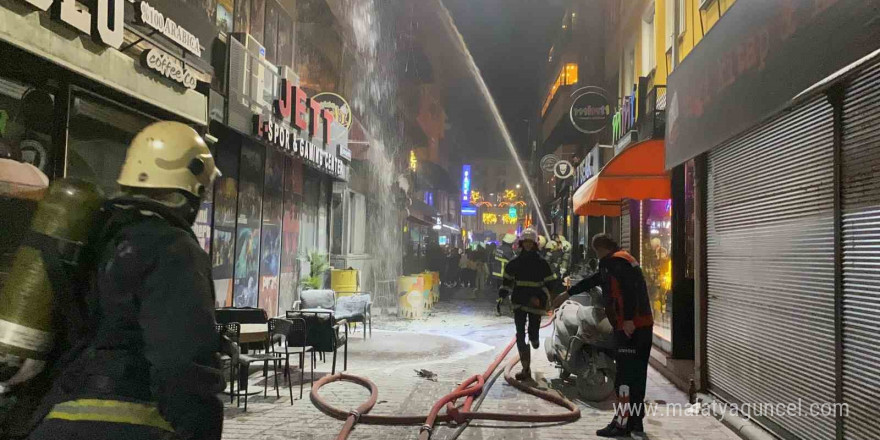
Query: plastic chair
(288, 338)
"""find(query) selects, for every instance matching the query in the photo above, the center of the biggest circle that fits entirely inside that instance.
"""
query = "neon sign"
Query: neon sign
(466, 207)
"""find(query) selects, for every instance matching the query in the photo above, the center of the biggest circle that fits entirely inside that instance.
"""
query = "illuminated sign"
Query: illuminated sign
(413, 162)
(466, 207)
(443, 240)
(512, 212)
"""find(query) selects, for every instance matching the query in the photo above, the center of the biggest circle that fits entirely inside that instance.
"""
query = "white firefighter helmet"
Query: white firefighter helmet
(508, 238)
(529, 234)
(542, 241)
(169, 155)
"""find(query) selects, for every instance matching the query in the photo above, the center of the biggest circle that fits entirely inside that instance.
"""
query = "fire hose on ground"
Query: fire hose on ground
(469, 389)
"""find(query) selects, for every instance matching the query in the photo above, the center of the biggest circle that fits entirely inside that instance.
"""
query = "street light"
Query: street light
(518, 186)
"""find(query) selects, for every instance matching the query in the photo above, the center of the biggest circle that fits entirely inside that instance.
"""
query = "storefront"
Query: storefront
(76, 94)
(786, 204)
(272, 207)
(634, 188)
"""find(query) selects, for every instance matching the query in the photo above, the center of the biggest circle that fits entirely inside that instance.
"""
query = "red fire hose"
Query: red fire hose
(469, 389)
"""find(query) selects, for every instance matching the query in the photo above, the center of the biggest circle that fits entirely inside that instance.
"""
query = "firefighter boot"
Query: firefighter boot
(526, 361)
(498, 306)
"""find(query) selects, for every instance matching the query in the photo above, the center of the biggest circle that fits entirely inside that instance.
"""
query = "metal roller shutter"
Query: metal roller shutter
(770, 267)
(861, 255)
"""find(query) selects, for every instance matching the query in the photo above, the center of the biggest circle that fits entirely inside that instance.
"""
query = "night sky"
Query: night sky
(509, 40)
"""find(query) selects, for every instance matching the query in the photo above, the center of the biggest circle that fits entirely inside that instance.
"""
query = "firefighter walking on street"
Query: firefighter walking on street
(144, 366)
(629, 310)
(526, 280)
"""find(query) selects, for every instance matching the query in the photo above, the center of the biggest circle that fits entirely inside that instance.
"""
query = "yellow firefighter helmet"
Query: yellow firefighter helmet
(169, 155)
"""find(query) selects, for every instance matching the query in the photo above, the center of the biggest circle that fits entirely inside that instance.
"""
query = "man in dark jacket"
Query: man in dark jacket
(145, 366)
(526, 280)
(629, 310)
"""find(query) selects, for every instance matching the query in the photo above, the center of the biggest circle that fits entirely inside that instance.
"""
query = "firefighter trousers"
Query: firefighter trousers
(524, 319)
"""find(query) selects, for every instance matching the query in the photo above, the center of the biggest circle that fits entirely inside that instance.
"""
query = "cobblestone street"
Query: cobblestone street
(459, 339)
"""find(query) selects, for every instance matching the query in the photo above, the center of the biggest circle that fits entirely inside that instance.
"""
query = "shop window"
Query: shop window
(290, 248)
(98, 136)
(270, 244)
(26, 121)
(227, 156)
(308, 238)
(656, 243)
(323, 215)
(249, 224)
(358, 222)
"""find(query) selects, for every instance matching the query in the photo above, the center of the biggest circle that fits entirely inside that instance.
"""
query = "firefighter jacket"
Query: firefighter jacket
(150, 359)
(623, 290)
(503, 255)
(527, 279)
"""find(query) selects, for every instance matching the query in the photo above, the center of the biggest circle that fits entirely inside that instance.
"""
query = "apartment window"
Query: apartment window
(629, 70)
(649, 60)
(669, 25)
(682, 16)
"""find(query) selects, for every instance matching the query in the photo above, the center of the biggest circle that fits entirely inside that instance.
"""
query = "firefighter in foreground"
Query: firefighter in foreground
(629, 310)
(503, 255)
(144, 366)
(526, 280)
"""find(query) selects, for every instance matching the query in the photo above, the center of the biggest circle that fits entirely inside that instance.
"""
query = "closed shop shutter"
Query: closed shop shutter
(770, 268)
(861, 255)
(625, 226)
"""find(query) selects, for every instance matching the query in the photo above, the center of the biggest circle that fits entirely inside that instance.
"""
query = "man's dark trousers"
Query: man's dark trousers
(632, 356)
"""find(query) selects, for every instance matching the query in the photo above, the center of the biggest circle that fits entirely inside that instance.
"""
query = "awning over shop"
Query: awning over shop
(636, 173)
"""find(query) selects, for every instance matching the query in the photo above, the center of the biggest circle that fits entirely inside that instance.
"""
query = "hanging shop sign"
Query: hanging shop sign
(173, 31)
(339, 108)
(548, 162)
(563, 169)
(467, 208)
(590, 109)
(588, 167)
(169, 67)
(758, 57)
(344, 152)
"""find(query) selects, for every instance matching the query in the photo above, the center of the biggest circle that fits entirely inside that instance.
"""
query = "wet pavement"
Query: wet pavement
(459, 338)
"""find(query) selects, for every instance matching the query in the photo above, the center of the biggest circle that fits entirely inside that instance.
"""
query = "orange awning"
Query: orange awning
(638, 173)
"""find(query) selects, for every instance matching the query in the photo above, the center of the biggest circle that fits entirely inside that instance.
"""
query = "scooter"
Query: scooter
(581, 345)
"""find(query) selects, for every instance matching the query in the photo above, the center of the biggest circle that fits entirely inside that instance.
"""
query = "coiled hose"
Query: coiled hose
(469, 389)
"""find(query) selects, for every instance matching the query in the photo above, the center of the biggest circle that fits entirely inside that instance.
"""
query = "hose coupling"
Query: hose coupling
(356, 414)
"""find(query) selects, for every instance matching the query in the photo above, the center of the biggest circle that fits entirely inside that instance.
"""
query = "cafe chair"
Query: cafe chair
(325, 333)
(356, 308)
(232, 331)
(288, 337)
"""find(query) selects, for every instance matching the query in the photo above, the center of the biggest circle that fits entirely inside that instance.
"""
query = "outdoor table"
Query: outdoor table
(251, 333)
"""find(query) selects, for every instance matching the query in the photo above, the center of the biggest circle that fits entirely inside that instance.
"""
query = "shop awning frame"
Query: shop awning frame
(638, 172)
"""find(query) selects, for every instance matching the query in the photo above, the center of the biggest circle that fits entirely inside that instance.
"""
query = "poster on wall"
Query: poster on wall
(242, 16)
(285, 42)
(270, 34)
(204, 218)
(270, 260)
(290, 231)
(225, 15)
(247, 256)
(247, 243)
(258, 19)
(225, 206)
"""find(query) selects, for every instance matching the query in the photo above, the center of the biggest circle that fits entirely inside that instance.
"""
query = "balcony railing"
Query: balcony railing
(652, 121)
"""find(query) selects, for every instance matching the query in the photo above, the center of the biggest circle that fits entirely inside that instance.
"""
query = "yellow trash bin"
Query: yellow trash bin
(345, 281)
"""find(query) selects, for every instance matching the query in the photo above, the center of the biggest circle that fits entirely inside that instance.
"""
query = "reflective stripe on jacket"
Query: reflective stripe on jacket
(528, 277)
(110, 411)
